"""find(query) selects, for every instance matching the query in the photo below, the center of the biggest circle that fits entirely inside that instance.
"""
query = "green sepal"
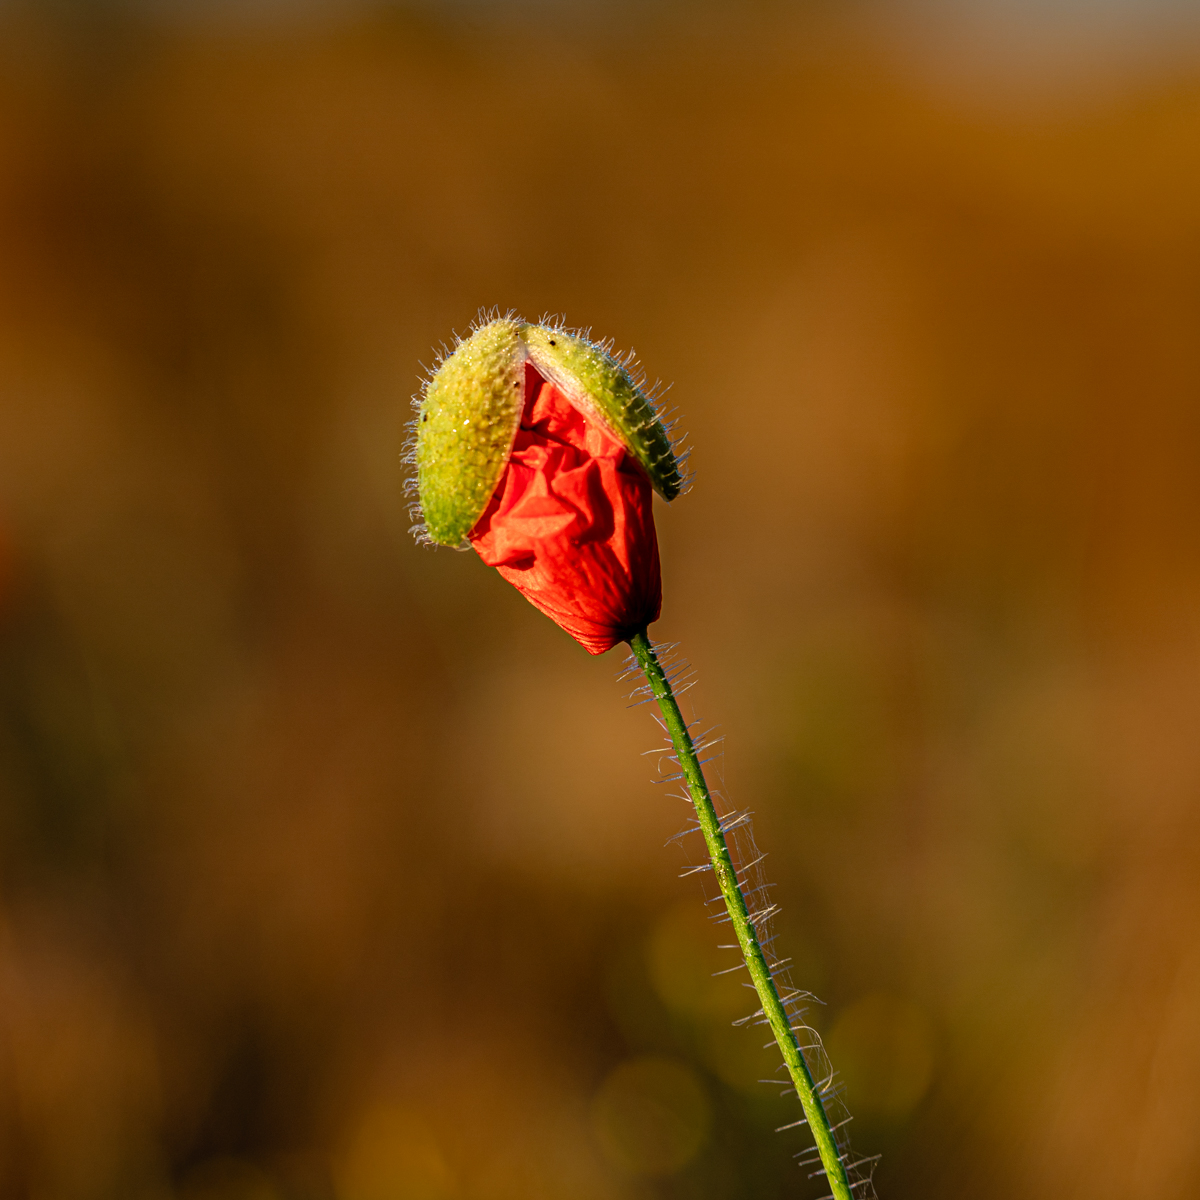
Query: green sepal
(468, 418)
(602, 388)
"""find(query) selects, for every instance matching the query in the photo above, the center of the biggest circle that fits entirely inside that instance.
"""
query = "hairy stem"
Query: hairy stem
(756, 963)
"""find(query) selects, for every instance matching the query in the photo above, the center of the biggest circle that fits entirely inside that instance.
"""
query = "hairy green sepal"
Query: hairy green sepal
(471, 410)
(468, 419)
(602, 389)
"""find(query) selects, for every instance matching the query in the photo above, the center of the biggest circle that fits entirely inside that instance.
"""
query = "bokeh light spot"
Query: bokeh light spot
(681, 958)
(393, 1155)
(651, 1116)
(883, 1048)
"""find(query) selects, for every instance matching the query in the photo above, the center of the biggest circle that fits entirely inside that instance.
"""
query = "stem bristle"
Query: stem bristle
(736, 861)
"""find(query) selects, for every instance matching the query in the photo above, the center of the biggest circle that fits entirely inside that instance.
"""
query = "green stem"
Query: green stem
(756, 963)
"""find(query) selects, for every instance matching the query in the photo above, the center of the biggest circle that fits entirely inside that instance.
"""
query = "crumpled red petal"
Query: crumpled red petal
(571, 524)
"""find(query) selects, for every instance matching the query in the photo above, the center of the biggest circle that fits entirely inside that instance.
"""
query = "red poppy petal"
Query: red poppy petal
(571, 524)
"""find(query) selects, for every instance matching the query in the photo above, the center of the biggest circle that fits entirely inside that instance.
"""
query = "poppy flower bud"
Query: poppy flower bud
(540, 448)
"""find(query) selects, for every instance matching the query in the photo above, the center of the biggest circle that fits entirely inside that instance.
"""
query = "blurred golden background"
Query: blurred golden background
(329, 869)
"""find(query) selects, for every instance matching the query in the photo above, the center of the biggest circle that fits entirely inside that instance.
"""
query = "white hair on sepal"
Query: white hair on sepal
(669, 418)
(408, 451)
(408, 459)
(486, 316)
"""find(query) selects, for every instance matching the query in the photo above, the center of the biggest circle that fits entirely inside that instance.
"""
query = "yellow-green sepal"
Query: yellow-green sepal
(468, 418)
(602, 388)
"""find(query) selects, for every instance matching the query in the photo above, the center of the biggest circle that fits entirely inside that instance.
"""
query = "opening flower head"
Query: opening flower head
(542, 450)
